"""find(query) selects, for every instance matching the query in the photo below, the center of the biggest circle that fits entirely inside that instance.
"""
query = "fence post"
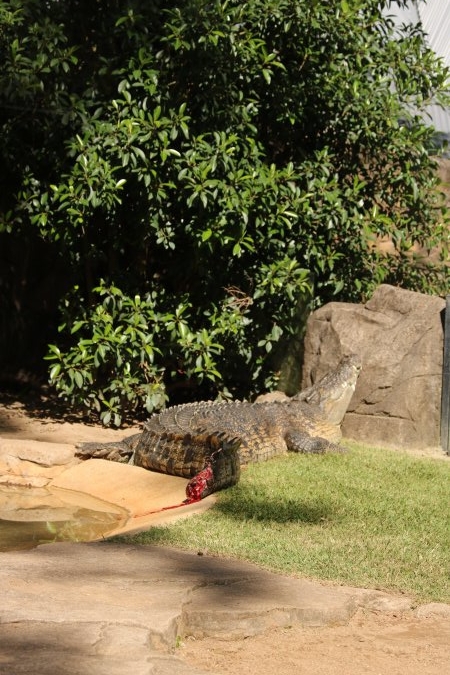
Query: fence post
(445, 402)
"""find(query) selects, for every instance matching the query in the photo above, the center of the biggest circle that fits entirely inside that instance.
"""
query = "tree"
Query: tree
(209, 169)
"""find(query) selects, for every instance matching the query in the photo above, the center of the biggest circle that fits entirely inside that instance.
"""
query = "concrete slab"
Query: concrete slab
(118, 609)
(82, 649)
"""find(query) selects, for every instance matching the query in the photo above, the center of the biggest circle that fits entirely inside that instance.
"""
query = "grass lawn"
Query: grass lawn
(373, 518)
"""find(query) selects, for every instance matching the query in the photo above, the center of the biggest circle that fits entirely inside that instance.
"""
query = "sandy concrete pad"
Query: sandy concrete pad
(147, 496)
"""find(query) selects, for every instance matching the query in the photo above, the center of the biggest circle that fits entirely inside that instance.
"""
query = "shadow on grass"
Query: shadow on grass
(243, 503)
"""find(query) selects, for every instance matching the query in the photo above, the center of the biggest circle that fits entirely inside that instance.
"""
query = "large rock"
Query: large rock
(399, 335)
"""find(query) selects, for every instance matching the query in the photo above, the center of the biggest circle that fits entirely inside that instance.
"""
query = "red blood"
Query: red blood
(197, 485)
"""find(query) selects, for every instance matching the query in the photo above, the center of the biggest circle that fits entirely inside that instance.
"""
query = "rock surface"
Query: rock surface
(399, 335)
(116, 609)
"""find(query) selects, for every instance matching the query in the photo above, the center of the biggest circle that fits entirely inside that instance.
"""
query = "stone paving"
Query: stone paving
(104, 608)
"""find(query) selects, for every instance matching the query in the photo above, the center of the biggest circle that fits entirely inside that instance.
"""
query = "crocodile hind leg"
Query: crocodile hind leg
(117, 451)
(297, 441)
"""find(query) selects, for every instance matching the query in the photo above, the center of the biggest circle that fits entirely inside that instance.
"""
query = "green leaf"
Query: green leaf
(78, 377)
(54, 372)
(267, 74)
(105, 417)
(76, 326)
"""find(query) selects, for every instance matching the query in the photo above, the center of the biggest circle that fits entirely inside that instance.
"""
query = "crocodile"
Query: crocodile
(208, 441)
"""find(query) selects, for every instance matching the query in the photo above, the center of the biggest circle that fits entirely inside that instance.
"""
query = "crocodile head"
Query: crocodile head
(332, 394)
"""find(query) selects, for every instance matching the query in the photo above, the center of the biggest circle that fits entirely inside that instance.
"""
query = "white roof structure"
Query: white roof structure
(434, 15)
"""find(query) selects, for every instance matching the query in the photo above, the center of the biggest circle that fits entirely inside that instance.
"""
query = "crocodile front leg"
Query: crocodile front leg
(298, 441)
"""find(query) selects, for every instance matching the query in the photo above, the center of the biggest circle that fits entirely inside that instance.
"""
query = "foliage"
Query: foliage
(371, 518)
(117, 350)
(220, 165)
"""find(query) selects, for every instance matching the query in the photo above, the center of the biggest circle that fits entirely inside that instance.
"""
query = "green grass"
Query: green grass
(371, 518)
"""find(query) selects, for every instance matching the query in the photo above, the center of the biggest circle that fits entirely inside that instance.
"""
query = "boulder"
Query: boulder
(399, 335)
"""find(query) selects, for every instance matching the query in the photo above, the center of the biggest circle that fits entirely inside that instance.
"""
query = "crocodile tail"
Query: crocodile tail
(116, 451)
(222, 470)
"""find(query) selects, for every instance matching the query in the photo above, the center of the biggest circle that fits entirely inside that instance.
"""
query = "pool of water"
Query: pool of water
(33, 516)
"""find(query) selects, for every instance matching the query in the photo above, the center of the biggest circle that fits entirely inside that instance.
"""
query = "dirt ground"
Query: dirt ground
(373, 643)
